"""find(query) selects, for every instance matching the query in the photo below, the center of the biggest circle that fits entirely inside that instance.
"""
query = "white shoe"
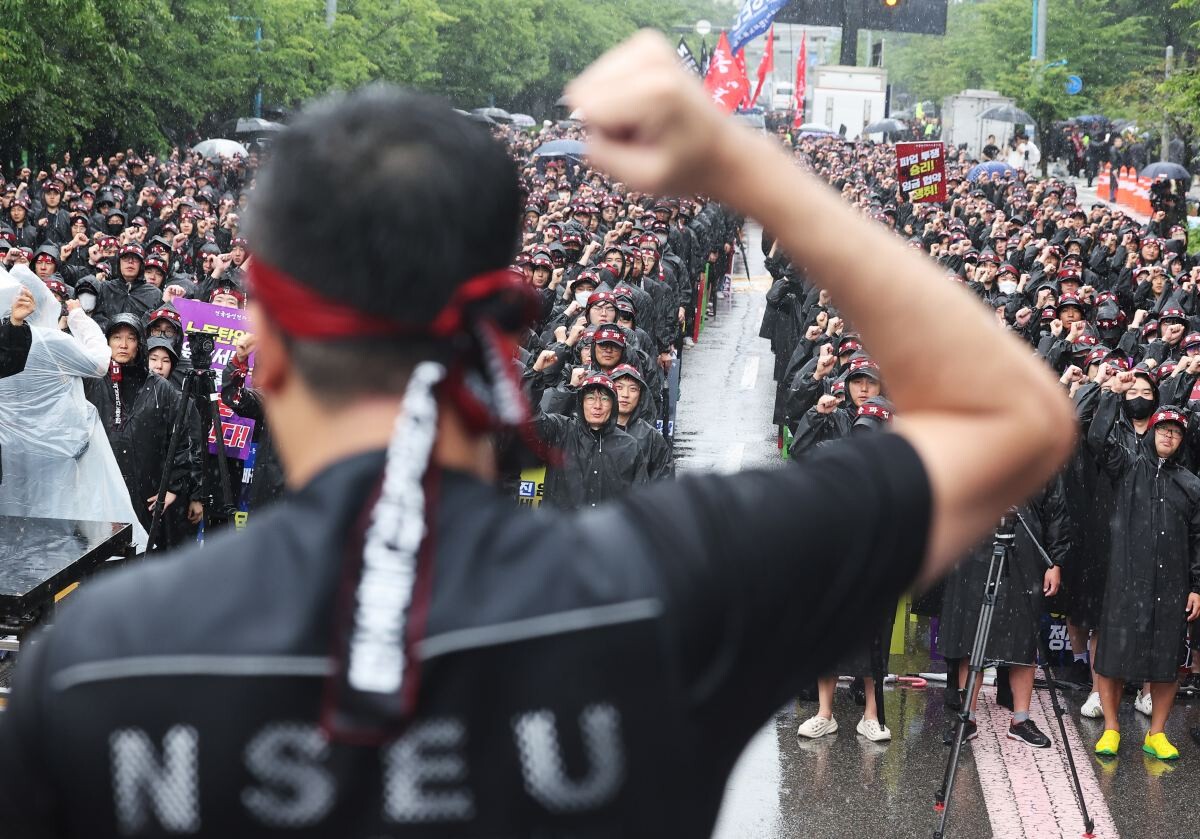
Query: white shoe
(720, 295)
(688, 342)
(873, 731)
(1143, 703)
(1092, 707)
(817, 726)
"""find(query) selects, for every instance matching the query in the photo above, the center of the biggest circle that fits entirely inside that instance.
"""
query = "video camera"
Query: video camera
(201, 346)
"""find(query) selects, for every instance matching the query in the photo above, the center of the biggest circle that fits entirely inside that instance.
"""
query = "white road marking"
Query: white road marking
(750, 374)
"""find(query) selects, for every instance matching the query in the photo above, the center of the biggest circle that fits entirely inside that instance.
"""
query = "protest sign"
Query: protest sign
(921, 170)
(226, 326)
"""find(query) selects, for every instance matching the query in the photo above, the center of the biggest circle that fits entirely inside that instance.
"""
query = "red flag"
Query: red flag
(801, 77)
(739, 60)
(766, 65)
(724, 83)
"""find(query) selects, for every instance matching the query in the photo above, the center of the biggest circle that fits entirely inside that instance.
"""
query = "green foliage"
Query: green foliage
(94, 75)
(987, 45)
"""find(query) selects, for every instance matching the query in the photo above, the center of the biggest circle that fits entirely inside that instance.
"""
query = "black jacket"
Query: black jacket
(14, 351)
(569, 680)
(149, 404)
(1155, 556)
(117, 296)
(593, 465)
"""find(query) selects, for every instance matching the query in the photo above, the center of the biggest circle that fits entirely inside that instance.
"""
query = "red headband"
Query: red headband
(302, 312)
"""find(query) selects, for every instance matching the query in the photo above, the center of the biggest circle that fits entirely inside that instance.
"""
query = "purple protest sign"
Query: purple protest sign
(226, 326)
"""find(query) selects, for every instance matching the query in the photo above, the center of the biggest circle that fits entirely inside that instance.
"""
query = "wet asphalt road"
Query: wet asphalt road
(845, 786)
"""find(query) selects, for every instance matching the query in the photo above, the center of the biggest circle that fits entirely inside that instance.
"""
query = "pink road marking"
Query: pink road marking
(1028, 792)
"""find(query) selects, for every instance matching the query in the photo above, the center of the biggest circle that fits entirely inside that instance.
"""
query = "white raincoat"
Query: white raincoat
(57, 460)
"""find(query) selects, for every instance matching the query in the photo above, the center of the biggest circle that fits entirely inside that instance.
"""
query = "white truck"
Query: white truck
(852, 97)
(961, 123)
(783, 96)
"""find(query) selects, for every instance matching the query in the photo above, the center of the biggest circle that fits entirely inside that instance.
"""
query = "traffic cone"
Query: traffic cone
(1122, 197)
(1144, 196)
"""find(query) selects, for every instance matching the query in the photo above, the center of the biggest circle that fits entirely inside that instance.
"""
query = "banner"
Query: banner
(921, 170)
(686, 58)
(753, 20)
(766, 65)
(532, 486)
(801, 81)
(226, 326)
(726, 82)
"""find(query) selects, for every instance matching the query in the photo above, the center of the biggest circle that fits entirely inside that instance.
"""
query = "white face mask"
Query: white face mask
(1008, 286)
(581, 297)
(87, 300)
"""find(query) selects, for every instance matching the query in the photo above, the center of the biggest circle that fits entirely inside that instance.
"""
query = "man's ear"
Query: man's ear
(272, 364)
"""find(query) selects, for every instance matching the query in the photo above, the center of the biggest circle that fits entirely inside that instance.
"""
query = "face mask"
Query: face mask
(581, 297)
(87, 300)
(115, 227)
(1139, 408)
(1008, 286)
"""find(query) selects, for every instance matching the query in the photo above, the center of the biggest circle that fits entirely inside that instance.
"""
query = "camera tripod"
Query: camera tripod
(199, 386)
(1004, 541)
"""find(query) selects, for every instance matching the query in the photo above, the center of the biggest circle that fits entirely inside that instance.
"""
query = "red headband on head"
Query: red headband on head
(302, 312)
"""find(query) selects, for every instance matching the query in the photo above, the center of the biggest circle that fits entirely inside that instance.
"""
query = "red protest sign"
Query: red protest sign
(921, 170)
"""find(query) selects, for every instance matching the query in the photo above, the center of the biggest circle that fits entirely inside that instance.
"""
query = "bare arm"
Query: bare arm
(654, 129)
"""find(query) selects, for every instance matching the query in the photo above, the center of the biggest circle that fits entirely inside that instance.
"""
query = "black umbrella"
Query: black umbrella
(1007, 113)
(1163, 169)
(495, 114)
(885, 126)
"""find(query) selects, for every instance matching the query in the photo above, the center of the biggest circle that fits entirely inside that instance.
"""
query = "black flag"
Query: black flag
(686, 58)
(704, 56)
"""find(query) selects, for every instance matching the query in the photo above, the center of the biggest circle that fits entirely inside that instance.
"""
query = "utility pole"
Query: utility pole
(1037, 49)
(850, 17)
(1165, 125)
(330, 12)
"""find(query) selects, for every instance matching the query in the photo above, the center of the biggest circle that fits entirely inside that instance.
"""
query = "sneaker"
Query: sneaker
(1160, 747)
(817, 726)
(1109, 743)
(1027, 732)
(873, 731)
(1143, 704)
(1092, 707)
(688, 342)
(971, 733)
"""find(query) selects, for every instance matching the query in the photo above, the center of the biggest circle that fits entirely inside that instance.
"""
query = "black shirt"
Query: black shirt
(583, 675)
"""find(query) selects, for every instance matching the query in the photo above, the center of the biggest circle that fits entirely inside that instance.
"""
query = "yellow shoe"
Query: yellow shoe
(1157, 745)
(1109, 742)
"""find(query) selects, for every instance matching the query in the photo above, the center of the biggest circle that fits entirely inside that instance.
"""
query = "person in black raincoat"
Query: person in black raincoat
(873, 414)
(138, 409)
(16, 337)
(636, 416)
(265, 483)
(832, 418)
(1154, 567)
(128, 292)
(596, 460)
(1018, 611)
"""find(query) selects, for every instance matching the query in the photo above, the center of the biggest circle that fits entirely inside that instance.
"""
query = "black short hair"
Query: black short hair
(386, 200)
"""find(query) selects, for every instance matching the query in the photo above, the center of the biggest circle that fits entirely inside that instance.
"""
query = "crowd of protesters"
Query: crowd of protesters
(1110, 303)
(116, 241)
